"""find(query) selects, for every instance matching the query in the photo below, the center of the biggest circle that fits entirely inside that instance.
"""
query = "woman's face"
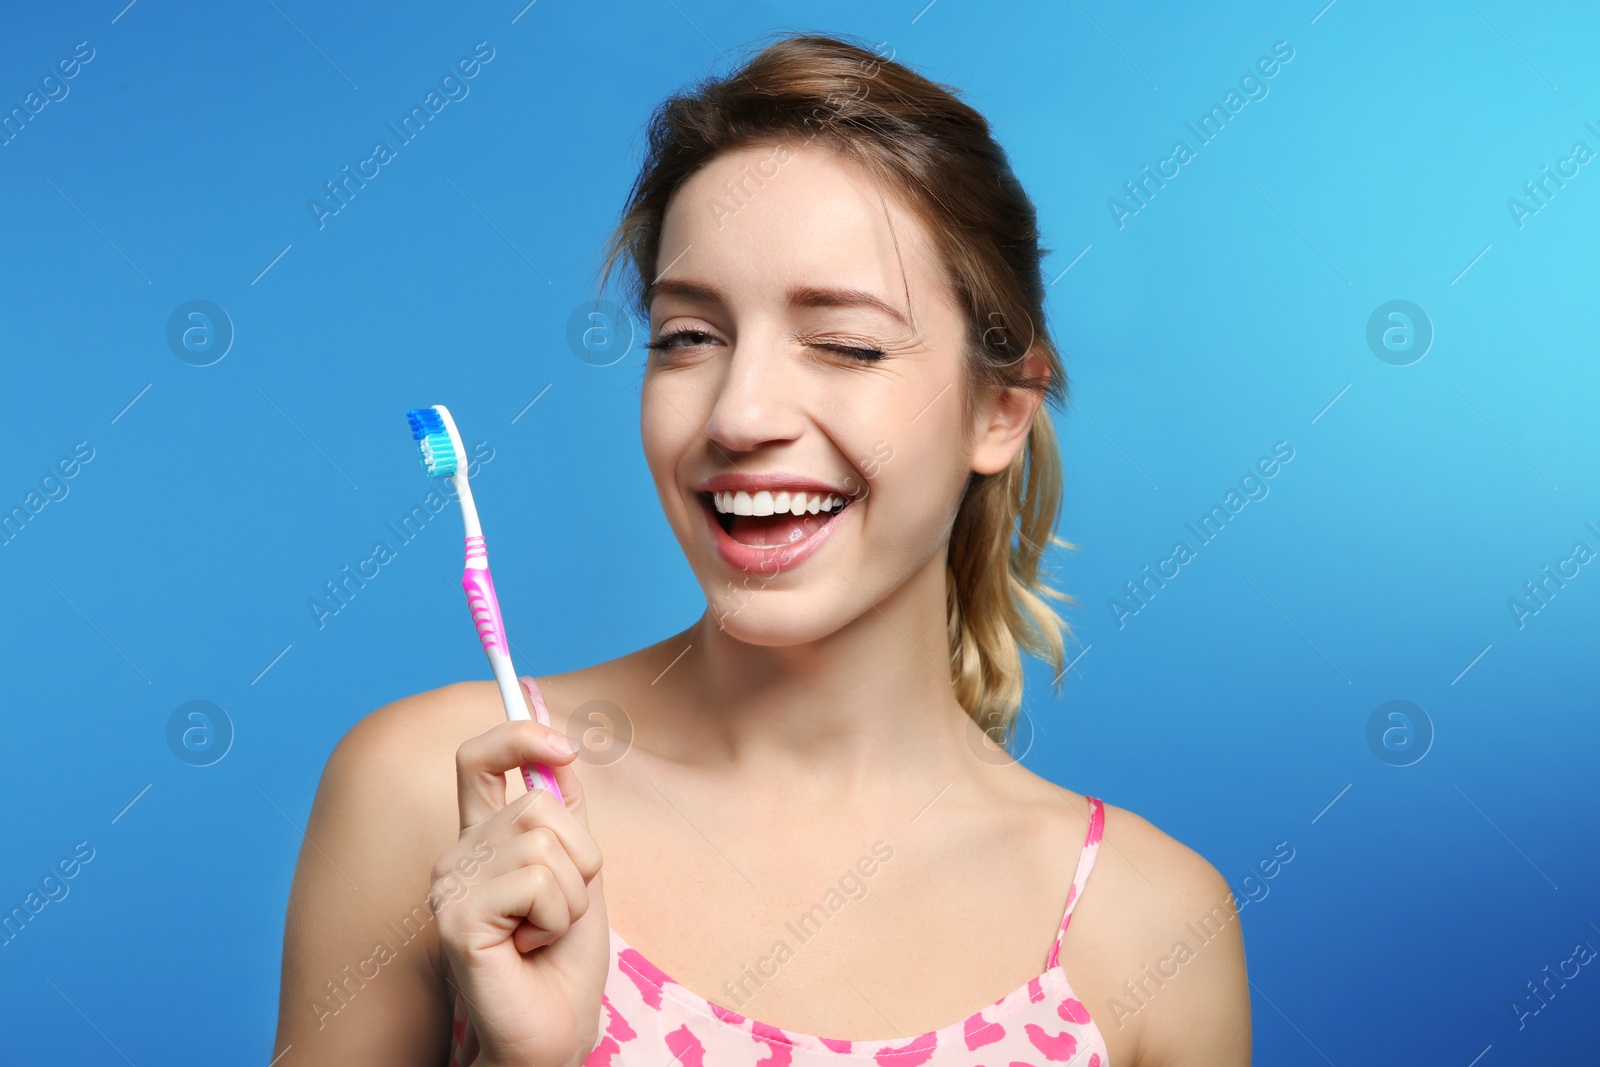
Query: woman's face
(811, 345)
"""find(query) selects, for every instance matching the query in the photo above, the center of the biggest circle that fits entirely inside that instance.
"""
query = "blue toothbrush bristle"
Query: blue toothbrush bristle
(423, 422)
(428, 430)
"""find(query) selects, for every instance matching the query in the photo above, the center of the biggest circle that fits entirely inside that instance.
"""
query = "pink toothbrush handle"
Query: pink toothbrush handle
(543, 715)
(481, 599)
(485, 607)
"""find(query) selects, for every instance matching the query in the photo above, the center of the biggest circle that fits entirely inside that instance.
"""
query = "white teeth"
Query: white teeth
(783, 502)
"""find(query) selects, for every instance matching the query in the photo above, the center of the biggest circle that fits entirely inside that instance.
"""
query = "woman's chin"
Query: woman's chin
(775, 623)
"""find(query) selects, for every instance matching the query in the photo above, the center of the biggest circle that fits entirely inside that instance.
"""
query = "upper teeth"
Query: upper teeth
(784, 502)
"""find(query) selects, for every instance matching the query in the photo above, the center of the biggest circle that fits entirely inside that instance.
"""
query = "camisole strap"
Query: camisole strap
(1091, 848)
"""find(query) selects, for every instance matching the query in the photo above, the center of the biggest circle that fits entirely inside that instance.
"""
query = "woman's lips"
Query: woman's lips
(766, 559)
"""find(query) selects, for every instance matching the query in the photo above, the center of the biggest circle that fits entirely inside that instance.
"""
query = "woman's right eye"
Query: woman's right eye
(665, 341)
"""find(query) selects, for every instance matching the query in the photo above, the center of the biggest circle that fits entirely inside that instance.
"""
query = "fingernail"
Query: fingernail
(563, 743)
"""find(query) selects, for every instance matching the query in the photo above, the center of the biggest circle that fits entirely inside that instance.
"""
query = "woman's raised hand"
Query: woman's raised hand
(520, 908)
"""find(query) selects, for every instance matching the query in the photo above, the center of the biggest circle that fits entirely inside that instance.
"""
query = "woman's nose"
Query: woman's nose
(757, 400)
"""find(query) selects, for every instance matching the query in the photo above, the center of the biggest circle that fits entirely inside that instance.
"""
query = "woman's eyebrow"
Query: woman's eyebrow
(811, 296)
(698, 292)
(815, 297)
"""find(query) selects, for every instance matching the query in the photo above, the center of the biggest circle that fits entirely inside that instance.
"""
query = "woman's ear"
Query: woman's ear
(1007, 416)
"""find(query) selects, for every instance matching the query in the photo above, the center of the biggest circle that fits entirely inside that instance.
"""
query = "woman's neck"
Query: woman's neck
(867, 708)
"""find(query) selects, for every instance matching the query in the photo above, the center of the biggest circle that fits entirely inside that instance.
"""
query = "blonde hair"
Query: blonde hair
(918, 138)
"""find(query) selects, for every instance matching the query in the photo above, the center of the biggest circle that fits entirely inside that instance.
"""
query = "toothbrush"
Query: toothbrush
(435, 433)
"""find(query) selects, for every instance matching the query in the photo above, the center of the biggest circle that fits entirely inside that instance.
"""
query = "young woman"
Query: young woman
(815, 852)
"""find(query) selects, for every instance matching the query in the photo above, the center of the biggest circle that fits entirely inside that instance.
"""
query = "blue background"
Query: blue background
(1228, 314)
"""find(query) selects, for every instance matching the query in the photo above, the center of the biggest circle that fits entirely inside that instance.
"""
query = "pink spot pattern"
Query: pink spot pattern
(916, 1052)
(648, 1020)
(1058, 1047)
(685, 1047)
(981, 1032)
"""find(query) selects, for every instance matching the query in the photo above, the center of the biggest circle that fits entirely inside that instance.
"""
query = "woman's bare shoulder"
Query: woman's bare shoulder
(1160, 907)
(1176, 880)
(1153, 873)
(423, 731)
(1145, 884)
(416, 723)
(396, 765)
(409, 746)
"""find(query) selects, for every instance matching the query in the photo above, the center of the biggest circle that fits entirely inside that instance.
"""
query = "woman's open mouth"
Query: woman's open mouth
(765, 520)
(768, 531)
